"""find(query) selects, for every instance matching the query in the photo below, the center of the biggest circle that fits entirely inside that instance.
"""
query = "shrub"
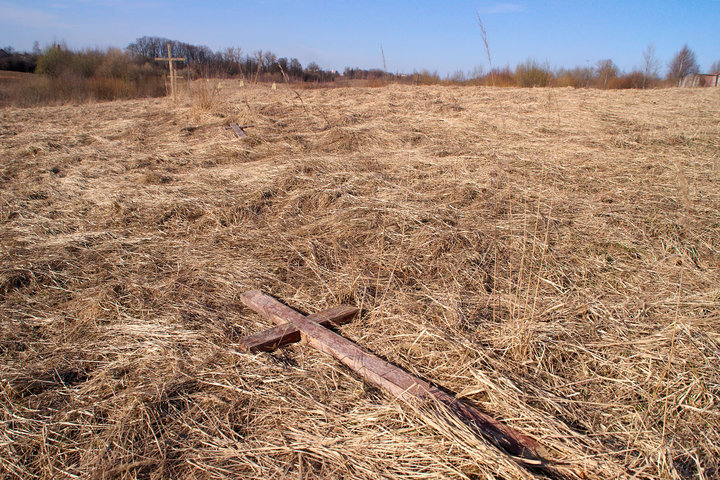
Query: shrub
(54, 61)
(501, 77)
(427, 77)
(67, 76)
(116, 64)
(579, 77)
(204, 94)
(635, 79)
(86, 63)
(531, 74)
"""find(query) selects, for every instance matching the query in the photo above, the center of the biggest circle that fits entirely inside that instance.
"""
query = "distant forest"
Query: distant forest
(202, 61)
(138, 59)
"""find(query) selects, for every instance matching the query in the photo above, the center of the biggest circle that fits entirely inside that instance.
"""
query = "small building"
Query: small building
(700, 80)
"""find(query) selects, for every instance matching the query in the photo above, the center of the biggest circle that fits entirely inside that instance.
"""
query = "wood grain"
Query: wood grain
(273, 338)
(238, 130)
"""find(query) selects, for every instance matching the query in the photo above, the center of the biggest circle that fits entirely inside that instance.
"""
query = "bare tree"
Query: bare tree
(295, 69)
(270, 62)
(715, 67)
(259, 55)
(606, 71)
(651, 64)
(682, 65)
(232, 57)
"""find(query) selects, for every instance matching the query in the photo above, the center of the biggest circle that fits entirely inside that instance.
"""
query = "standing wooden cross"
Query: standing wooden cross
(293, 326)
(170, 59)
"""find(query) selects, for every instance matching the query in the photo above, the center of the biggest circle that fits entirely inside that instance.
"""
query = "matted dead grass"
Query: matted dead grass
(550, 255)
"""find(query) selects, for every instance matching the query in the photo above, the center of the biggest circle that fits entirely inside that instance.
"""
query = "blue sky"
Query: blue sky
(421, 34)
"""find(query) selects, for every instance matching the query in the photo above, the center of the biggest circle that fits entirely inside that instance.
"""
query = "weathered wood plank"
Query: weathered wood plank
(276, 337)
(404, 385)
(238, 130)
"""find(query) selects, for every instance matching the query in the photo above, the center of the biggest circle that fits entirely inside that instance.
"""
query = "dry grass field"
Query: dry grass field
(550, 255)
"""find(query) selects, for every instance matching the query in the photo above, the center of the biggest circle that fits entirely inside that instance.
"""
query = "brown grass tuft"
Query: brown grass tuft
(205, 94)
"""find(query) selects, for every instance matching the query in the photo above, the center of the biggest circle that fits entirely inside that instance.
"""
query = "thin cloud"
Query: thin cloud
(118, 3)
(11, 13)
(498, 8)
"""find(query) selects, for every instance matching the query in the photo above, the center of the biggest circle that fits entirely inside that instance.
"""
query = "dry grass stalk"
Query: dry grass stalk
(483, 34)
(205, 95)
(539, 282)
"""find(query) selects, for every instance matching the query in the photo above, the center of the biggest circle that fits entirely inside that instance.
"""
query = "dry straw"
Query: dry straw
(531, 252)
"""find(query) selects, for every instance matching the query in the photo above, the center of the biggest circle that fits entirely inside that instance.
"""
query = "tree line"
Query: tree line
(138, 59)
(230, 62)
(603, 74)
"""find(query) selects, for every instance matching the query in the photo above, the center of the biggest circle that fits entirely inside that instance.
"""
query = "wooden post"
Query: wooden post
(172, 73)
(170, 61)
(406, 386)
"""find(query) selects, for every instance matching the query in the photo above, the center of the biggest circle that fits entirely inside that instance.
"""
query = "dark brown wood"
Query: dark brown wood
(238, 130)
(404, 385)
(276, 337)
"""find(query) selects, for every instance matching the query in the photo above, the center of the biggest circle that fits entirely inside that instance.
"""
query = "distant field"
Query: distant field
(551, 255)
(7, 75)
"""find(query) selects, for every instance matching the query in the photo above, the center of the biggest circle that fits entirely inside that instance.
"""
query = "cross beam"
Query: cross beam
(287, 333)
(170, 59)
(404, 385)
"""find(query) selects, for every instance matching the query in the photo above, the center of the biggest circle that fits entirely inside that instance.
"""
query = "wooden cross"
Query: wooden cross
(170, 59)
(293, 326)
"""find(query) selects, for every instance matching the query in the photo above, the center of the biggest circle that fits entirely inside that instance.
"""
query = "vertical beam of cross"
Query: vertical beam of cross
(170, 59)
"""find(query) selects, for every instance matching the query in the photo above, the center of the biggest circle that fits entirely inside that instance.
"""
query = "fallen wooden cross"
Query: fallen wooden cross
(292, 326)
(238, 130)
